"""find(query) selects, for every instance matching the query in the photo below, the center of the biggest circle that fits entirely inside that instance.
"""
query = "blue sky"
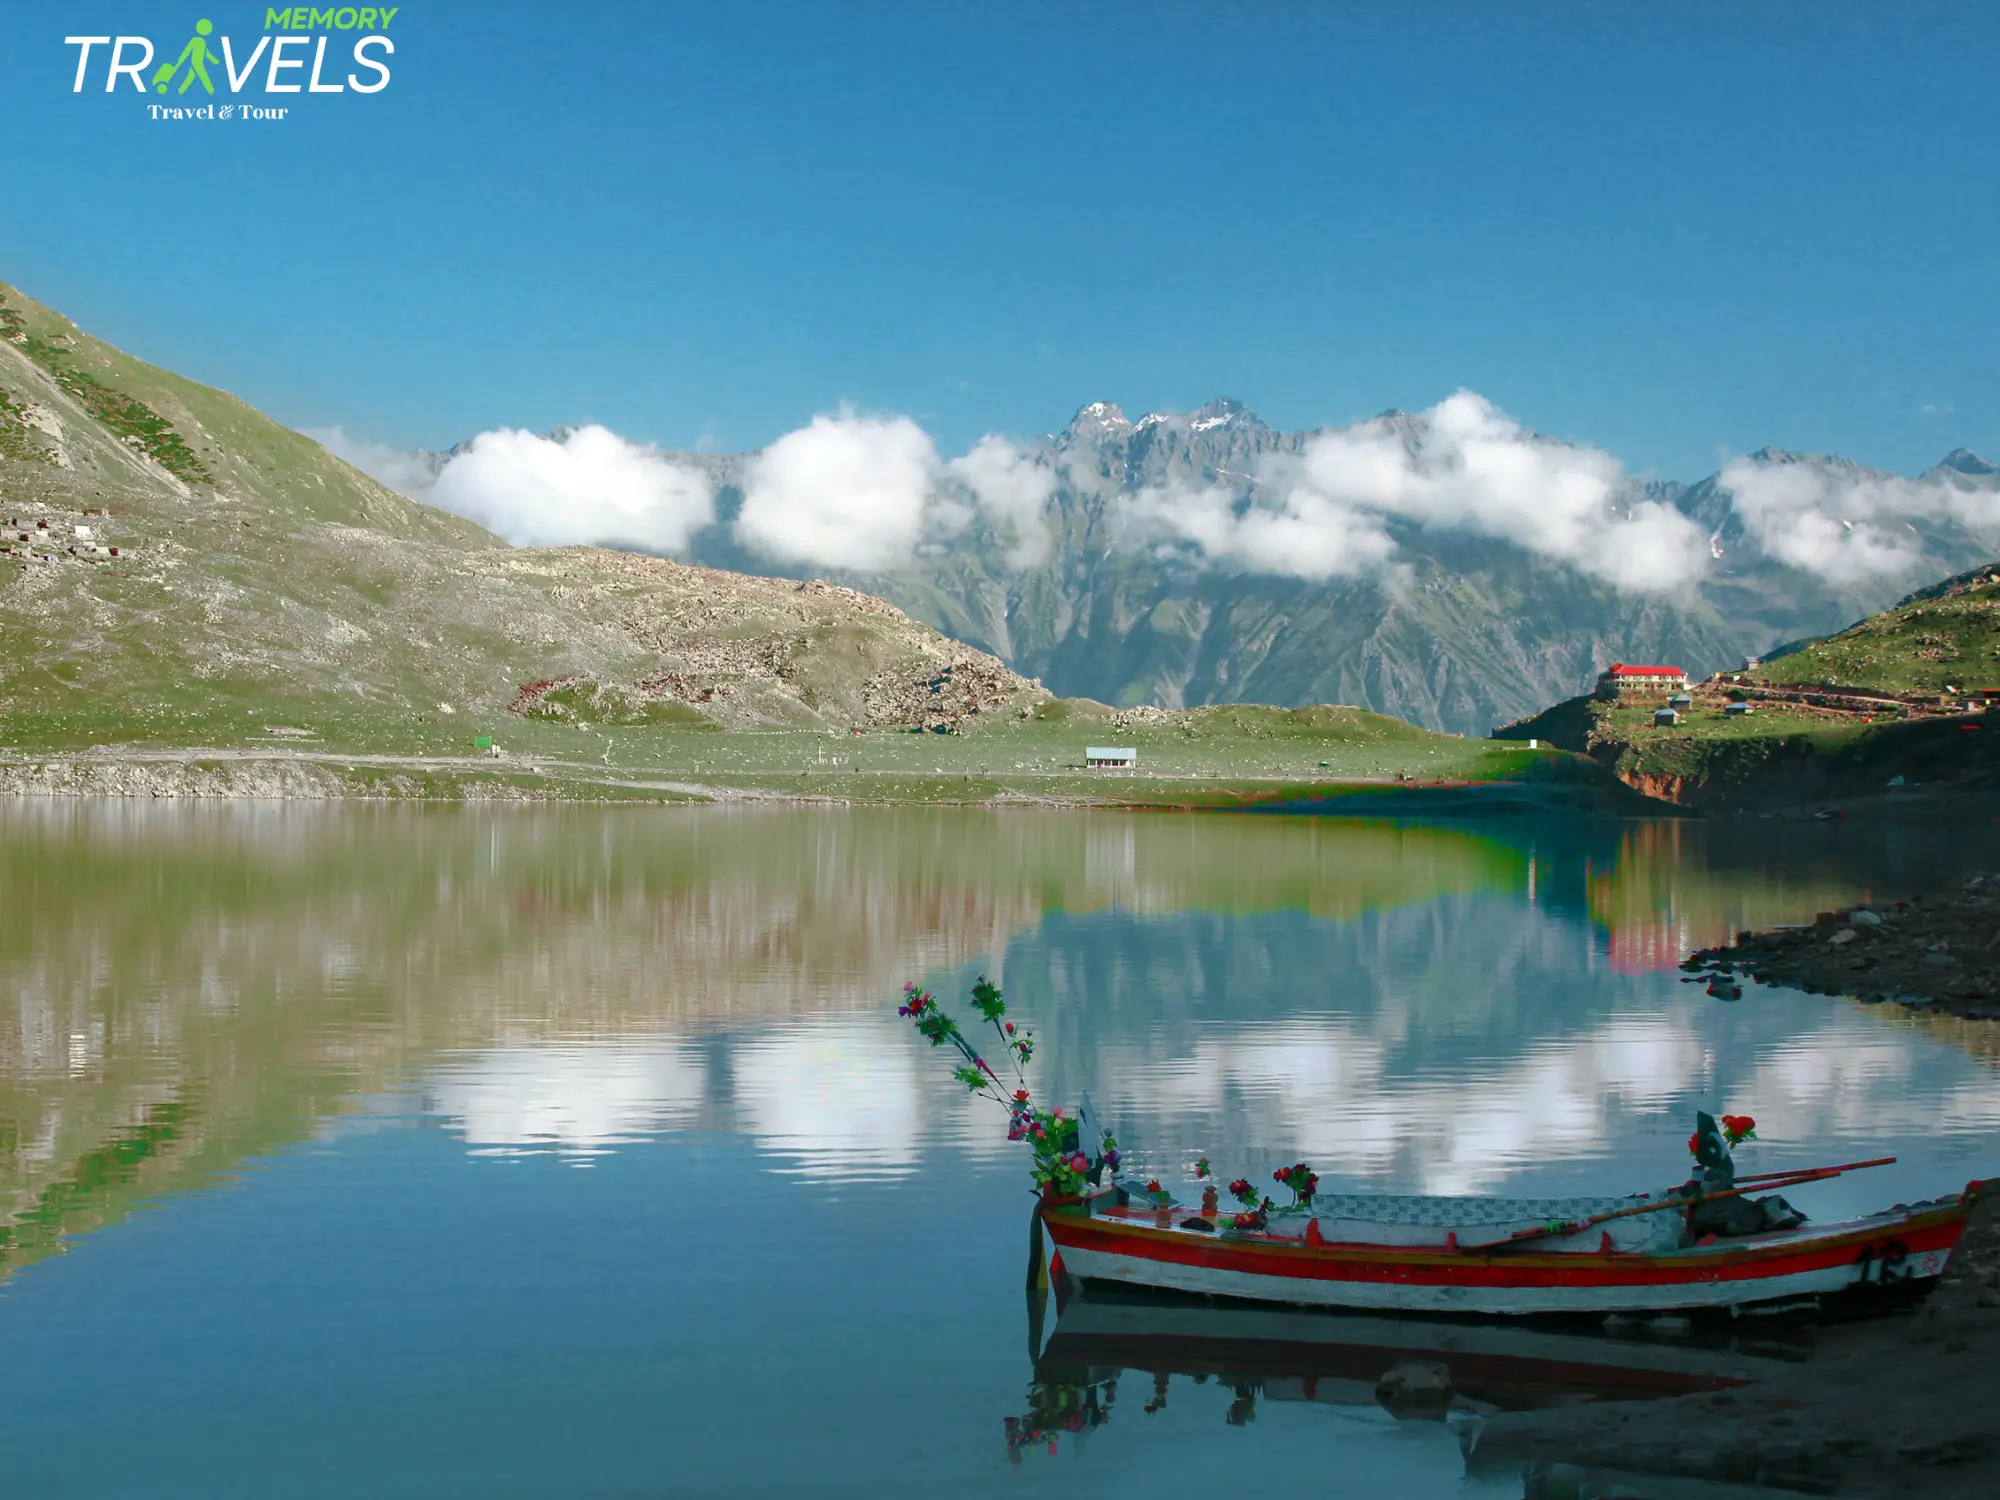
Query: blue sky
(1674, 231)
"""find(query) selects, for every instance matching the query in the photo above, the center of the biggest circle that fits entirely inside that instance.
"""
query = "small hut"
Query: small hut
(1110, 757)
(1667, 717)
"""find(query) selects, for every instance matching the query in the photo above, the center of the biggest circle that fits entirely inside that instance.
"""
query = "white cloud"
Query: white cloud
(1846, 524)
(1014, 491)
(587, 485)
(406, 473)
(1465, 466)
(1303, 535)
(845, 492)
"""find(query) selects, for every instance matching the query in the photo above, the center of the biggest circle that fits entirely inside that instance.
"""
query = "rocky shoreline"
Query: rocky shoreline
(1938, 951)
(1895, 1405)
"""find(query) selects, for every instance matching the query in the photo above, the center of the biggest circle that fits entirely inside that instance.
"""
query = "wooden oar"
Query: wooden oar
(1768, 1180)
(1853, 1166)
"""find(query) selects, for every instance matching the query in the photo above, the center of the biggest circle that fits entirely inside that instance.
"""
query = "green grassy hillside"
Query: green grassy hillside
(1881, 706)
(1940, 641)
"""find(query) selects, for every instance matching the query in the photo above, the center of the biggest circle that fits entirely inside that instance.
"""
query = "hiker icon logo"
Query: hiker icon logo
(196, 55)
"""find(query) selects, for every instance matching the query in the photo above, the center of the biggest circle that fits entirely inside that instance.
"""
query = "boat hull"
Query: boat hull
(1897, 1253)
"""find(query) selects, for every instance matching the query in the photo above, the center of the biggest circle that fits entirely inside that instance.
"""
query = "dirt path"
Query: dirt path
(312, 772)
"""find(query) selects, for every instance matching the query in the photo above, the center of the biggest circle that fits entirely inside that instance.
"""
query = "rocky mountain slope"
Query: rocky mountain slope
(172, 562)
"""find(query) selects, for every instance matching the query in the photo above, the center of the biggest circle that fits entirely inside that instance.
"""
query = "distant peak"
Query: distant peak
(1096, 419)
(1965, 461)
(1224, 410)
(1772, 457)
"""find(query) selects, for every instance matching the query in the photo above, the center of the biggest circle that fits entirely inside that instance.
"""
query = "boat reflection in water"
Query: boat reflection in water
(1418, 1369)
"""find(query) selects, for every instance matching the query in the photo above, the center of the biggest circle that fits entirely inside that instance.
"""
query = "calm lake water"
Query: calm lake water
(397, 1151)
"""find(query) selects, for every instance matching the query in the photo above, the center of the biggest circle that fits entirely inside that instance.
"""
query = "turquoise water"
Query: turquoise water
(409, 1152)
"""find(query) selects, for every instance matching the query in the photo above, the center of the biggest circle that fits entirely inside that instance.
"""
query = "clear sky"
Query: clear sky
(1674, 230)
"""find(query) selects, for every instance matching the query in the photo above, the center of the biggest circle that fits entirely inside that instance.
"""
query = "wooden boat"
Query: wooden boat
(1700, 1247)
(1442, 1255)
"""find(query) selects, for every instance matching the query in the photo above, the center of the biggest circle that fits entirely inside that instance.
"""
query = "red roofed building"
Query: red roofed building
(1618, 679)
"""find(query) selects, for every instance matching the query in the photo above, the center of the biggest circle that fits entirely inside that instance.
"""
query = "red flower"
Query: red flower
(1153, 1185)
(1694, 1144)
(1021, 1096)
(1010, 1028)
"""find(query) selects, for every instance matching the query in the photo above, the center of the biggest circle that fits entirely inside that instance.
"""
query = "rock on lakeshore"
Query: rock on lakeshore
(1940, 950)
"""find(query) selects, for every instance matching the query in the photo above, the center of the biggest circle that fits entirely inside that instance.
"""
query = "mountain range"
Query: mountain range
(1472, 621)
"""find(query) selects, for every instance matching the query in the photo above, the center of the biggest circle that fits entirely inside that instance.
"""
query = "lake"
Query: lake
(430, 1152)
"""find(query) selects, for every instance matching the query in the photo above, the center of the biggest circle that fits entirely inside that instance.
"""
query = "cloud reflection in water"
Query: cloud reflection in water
(577, 1099)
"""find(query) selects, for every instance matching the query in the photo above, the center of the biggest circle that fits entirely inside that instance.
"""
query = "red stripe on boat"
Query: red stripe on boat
(1939, 1230)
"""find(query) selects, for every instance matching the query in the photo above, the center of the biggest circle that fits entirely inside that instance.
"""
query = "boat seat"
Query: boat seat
(1382, 1219)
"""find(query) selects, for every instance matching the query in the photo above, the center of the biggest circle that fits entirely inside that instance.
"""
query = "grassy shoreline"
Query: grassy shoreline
(1328, 758)
(721, 768)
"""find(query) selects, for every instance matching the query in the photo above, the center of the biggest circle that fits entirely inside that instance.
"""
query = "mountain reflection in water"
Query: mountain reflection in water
(345, 1058)
(1435, 1008)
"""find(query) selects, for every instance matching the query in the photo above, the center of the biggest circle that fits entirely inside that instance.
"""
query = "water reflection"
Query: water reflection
(1415, 1369)
(389, 1032)
(838, 1099)
(1131, 1364)
(578, 1099)
(1431, 1008)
